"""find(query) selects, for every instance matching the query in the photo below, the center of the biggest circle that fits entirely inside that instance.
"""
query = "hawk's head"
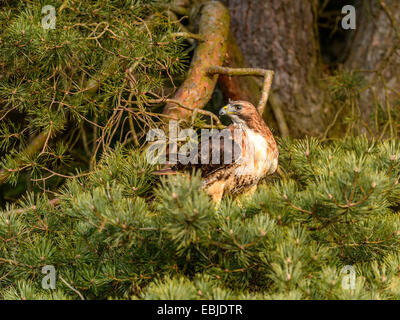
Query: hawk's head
(240, 112)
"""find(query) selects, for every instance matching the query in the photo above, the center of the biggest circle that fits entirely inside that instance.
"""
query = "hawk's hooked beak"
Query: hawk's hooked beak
(227, 110)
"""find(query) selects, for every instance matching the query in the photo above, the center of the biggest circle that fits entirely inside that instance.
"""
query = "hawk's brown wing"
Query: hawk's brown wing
(216, 153)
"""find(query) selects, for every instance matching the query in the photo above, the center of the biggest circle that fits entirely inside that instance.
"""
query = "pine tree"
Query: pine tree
(76, 103)
(119, 233)
(69, 93)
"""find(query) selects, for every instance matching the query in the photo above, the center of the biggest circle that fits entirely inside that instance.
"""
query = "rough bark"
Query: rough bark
(248, 88)
(281, 35)
(375, 51)
(198, 86)
(243, 88)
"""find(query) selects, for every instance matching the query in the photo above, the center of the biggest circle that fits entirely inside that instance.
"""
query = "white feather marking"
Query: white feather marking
(257, 161)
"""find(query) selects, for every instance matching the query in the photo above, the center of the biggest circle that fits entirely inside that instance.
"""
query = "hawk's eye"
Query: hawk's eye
(238, 107)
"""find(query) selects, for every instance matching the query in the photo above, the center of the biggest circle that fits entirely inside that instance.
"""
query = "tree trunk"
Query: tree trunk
(375, 51)
(198, 86)
(238, 88)
(281, 35)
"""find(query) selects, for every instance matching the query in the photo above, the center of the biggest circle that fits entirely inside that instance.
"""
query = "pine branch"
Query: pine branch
(198, 86)
(267, 74)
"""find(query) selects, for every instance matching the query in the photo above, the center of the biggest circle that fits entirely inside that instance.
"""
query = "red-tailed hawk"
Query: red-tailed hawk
(257, 156)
